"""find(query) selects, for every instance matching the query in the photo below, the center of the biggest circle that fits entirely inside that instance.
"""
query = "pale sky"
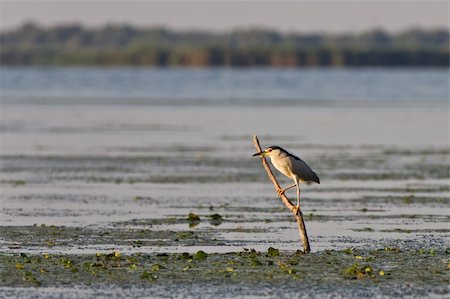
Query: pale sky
(288, 16)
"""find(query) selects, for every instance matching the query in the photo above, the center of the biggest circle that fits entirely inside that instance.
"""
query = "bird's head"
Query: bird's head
(270, 151)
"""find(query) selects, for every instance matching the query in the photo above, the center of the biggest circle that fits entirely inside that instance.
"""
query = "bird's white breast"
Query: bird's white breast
(282, 165)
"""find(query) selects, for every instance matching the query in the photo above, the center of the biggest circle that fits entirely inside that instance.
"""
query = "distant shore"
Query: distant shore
(32, 44)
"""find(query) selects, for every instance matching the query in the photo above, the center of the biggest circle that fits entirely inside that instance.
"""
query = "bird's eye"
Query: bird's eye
(269, 150)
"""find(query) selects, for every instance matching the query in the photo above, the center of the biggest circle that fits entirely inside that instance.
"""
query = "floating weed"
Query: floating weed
(137, 243)
(25, 258)
(255, 262)
(193, 220)
(184, 256)
(18, 183)
(271, 252)
(187, 267)
(187, 235)
(424, 251)
(348, 250)
(67, 263)
(200, 255)
(356, 271)
(291, 271)
(232, 262)
(298, 253)
(157, 267)
(30, 277)
(193, 224)
(50, 243)
(216, 219)
(148, 276)
(408, 199)
(193, 217)
(391, 249)
(162, 256)
(365, 229)
(397, 230)
(88, 265)
(115, 255)
(293, 261)
(36, 260)
(286, 269)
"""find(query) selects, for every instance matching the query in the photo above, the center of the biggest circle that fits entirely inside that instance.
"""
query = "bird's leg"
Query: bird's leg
(281, 191)
(296, 208)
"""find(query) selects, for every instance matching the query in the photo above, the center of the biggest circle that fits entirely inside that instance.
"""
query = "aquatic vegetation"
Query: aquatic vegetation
(271, 252)
(357, 271)
(388, 268)
(408, 199)
(200, 255)
(193, 217)
(365, 229)
(216, 219)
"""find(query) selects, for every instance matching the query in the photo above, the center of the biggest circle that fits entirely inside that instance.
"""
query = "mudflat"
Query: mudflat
(162, 201)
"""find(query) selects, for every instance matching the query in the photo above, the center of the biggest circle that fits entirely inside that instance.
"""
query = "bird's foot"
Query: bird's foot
(280, 192)
(295, 209)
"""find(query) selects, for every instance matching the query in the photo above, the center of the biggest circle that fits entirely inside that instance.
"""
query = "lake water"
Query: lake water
(223, 86)
(118, 157)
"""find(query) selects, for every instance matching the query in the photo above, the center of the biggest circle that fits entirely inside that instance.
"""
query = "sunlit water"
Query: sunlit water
(103, 147)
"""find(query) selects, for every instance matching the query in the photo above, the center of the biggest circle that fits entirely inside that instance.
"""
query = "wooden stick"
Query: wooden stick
(286, 201)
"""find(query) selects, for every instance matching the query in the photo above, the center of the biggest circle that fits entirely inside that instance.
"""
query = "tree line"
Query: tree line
(113, 45)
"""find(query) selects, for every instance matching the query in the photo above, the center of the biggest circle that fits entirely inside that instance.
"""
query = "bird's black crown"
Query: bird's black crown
(275, 147)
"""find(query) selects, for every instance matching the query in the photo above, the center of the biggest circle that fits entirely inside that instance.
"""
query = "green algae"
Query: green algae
(383, 266)
(200, 255)
(193, 217)
(271, 252)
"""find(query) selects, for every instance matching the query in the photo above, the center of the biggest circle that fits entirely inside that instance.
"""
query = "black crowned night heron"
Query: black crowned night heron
(291, 166)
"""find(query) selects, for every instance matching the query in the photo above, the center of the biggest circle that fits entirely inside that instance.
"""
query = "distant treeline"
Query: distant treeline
(124, 45)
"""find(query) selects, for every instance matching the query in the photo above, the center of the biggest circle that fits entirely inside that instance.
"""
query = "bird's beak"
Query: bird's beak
(262, 154)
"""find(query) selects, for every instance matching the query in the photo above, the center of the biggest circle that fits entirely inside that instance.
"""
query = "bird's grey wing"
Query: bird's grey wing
(304, 172)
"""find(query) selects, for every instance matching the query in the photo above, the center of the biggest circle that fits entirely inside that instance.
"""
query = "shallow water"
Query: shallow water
(83, 179)
(63, 171)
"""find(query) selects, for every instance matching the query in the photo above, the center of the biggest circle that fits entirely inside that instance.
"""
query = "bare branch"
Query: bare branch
(286, 201)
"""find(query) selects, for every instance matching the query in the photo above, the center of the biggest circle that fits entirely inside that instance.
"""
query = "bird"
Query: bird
(291, 166)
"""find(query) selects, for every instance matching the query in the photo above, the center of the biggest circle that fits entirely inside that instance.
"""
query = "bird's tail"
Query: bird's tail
(316, 178)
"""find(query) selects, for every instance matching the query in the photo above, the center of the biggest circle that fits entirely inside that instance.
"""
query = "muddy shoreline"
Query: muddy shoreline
(167, 202)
